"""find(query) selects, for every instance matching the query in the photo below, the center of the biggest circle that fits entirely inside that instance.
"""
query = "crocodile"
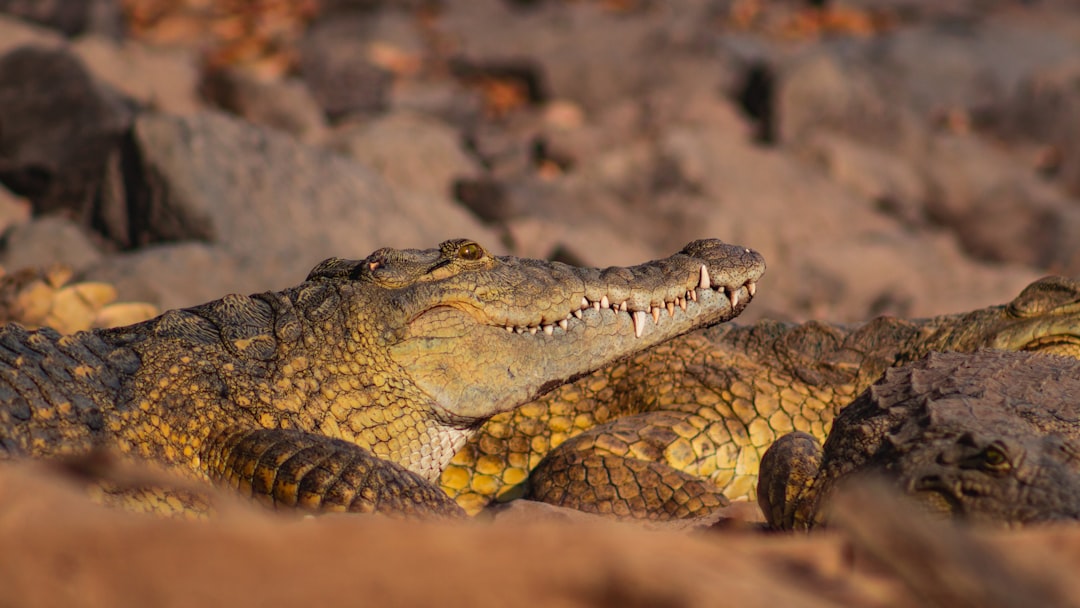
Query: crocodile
(673, 431)
(351, 391)
(991, 437)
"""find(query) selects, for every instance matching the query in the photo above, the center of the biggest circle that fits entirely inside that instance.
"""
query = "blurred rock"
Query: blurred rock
(412, 152)
(999, 209)
(274, 206)
(589, 243)
(158, 78)
(59, 127)
(14, 209)
(888, 90)
(49, 240)
(177, 275)
(16, 32)
(883, 179)
(882, 553)
(69, 17)
(1025, 222)
(44, 297)
(336, 64)
(579, 52)
(821, 90)
(1046, 109)
(826, 247)
(449, 101)
(960, 63)
(286, 105)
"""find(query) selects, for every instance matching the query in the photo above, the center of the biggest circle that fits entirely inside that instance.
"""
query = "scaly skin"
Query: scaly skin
(354, 389)
(990, 437)
(705, 406)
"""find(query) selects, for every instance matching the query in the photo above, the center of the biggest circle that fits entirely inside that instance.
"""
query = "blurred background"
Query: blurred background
(907, 157)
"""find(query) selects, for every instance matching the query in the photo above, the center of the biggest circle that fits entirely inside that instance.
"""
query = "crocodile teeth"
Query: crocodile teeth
(562, 324)
(510, 328)
(596, 306)
(655, 310)
(622, 306)
(682, 303)
(692, 294)
(751, 288)
(671, 309)
(604, 302)
(577, 314)
(532, 330)
(549, 329)
(704, 283)
(584, 303)
(639, 322)
(733, 294)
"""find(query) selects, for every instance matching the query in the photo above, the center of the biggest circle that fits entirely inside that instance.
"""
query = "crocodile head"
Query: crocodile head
(1045, 317)
(1009, 475)
(989, 436)
(480, 334)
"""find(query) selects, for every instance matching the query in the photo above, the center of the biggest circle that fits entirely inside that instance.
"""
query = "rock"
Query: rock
(1025, 222)
(335, 63)
(882, 553)
(15, 33)
(919, 9)
(273, 205)
(60, 126)
(821, 90)
(70, 18)
(826, 247)
(576, 52)
(998, 208)
(960, 169)
(412, 152)
(49, 240)
(450, 101)
(177, 275)
(936, 68)
(887, 90)
(1042, 103)
(1045, 109)
(884, 179)
(971, 64)
(14, 209)
(589, 243)
(286, 105)
(160, 78)
(43, 297)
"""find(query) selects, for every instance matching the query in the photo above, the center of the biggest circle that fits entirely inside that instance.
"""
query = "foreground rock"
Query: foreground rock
(889, 558)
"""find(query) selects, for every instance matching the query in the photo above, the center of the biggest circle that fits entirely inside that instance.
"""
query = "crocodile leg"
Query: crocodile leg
(296, 469)
(788, 469)
(654, 465)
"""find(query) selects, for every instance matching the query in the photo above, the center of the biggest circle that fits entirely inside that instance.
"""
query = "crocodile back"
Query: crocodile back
(57, 393)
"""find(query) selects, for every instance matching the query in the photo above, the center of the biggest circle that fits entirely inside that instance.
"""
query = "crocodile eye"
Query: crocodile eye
(994, 458)
(470, 251)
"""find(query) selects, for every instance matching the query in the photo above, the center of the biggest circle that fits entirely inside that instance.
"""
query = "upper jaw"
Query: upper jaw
(487, 352)
(551, 298)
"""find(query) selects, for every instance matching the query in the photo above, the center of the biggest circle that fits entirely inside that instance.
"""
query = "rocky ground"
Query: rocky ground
(908, 157)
